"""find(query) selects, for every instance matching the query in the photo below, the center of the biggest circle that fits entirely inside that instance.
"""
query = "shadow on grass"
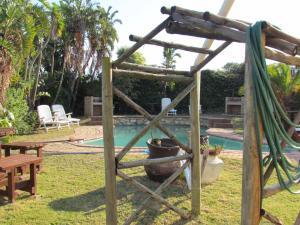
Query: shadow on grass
(94, 201)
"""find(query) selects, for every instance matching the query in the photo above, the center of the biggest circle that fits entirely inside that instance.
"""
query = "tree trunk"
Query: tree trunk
(53, 59)
(74, 95)
(60, 84)
(26, 68)
(36, 80)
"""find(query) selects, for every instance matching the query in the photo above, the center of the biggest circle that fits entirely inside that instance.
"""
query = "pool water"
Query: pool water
(123, 134)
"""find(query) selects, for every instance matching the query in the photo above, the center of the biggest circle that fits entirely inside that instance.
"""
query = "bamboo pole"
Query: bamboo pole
(210, 57)
(147, 162)
(171, 45)
(109, 151)
(155, 121)
(142, 111)
(251, 187)
(137, 45)
(165, 184)
(154, 195)
(195, 143)
(297, 222)
(151, 76)
(151, 69)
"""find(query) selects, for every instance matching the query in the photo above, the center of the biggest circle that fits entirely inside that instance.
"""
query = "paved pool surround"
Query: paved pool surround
(174, 120)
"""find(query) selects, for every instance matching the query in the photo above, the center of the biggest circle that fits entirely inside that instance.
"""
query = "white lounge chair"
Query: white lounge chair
(46, 118)
(164, 103)
(62, 115)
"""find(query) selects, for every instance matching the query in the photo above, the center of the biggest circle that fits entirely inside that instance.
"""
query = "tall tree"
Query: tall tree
(169, 55)
(89, 35)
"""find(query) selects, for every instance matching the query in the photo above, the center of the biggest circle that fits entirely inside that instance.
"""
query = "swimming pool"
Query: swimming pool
(123, 134)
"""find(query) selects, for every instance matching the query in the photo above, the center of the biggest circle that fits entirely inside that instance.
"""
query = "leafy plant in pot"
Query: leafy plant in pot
(160, 148)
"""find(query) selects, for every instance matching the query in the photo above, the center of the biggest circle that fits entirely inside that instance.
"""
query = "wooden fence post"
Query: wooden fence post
(195, 144)
(251, 192)
(109, 151)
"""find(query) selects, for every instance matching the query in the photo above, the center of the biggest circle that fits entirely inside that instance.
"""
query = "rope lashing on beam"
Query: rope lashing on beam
(271, 114)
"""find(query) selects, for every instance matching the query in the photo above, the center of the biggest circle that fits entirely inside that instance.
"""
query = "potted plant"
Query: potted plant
(159, 148)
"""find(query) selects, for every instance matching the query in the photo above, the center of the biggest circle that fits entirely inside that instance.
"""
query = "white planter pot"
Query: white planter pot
(211, 173)
(212, 169)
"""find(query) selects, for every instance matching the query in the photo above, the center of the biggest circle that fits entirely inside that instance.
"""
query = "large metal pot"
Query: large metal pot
(160, 148)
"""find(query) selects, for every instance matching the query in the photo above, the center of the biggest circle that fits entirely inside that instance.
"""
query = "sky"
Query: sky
(139, 17)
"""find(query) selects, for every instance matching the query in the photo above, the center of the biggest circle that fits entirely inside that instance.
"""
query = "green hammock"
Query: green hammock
(273, 116)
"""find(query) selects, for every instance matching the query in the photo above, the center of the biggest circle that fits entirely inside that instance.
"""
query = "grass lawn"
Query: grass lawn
(41, 135)
(71, 191)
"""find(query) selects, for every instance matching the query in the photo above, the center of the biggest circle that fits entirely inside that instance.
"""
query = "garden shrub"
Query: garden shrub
(216, 85)
(24, 120)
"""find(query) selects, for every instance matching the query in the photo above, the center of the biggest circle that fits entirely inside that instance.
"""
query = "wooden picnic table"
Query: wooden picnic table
(8, 168)
(23, 147)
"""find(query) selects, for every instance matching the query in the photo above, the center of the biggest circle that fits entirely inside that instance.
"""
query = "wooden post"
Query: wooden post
(195, 144)
(108, 137)
(251, 192)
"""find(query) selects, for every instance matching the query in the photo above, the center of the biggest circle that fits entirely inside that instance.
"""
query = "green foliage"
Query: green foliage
(216, 85)
(170, 55)
(25, 121)
(285, 84)
(6, 117)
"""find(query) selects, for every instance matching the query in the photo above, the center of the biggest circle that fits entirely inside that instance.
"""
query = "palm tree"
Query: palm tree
(169, 55)
(89, 35)
(285, 85)
(17, 34)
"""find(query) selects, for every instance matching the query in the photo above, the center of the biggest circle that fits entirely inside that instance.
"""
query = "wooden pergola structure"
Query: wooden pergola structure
(279, 46)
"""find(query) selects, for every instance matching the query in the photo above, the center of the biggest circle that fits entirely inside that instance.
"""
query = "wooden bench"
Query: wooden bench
(23, 147)
(10, 179)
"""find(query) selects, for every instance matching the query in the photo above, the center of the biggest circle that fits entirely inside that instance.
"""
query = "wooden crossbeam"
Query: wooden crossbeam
(273, 219)
(179, 97)
(154, 195)
(151, 76)
(210, 57)
(165, 184)
(282, 57)
(222, 27)
(151, 69)
(273, 189)
(147, 162)
(137, 45)
(147, 115)
(172, 45)
(273, 31)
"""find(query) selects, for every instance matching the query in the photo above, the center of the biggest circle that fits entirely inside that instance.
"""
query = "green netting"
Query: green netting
(273, 116)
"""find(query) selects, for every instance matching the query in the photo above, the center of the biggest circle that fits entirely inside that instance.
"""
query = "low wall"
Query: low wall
(172, 120)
